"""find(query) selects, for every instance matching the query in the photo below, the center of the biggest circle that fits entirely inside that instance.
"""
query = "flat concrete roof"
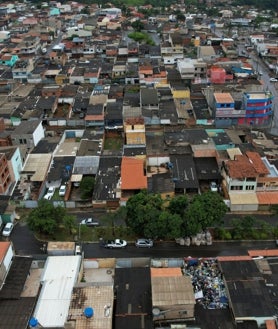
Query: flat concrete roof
(37, 164)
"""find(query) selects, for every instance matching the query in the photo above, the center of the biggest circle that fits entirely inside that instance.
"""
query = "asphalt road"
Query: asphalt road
(173, 250)
(25, 244)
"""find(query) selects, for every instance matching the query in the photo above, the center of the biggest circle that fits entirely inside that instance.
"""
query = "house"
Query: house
(60, 171)
(138, 281)
(172, 296)
(51, 297)
(21, 69)
(225, 113)
(9, 59)
(87, 159)
(28, 133)
(208, 171)
(33, 175)
(245, 278)
(134, 129)
(184, 174)
(114, 116)
(186, 68)
(241, 175)
(160, 181)
(17, 301)
(133, 177)
(150, 105)
(107, 190)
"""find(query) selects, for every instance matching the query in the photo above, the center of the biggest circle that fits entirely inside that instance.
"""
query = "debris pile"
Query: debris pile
(207, 282)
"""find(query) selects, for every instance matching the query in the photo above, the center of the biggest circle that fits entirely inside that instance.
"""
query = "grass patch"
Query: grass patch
(113, 143)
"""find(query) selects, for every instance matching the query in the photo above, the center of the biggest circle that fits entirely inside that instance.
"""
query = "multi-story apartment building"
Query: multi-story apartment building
(258, 108)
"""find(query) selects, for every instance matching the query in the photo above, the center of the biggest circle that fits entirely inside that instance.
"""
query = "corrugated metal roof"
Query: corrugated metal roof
(58, 280)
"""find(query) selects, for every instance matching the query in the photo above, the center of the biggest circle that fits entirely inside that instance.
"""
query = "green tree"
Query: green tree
(205, 210)
(87, 187)
(178, 205)
(69, 223)
(138, 26)
(46, 218)
(148, 215)
(143, 209)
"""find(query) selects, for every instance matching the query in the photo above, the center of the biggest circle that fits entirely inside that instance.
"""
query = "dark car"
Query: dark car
(89, 222)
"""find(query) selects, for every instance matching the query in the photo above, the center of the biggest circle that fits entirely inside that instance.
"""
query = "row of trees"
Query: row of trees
(150, 216)
(145, 215)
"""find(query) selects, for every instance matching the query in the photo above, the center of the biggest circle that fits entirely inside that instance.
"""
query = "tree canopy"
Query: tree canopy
(150, 216)
(87, 187)
(45, 219)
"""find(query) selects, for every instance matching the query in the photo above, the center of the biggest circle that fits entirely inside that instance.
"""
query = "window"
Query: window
(236, 188)
(250, 187)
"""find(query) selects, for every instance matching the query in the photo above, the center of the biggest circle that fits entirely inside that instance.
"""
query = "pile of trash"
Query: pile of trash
(203, 238)
(207, 282)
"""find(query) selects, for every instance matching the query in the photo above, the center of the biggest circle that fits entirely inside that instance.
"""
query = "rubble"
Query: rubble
(207, 282)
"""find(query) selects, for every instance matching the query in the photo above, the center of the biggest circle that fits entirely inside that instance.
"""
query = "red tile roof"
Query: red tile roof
(264, 252)
(247, 165)
(4, 246)
(166, 272)
(267, 198)
(132, 174)
(257, 162)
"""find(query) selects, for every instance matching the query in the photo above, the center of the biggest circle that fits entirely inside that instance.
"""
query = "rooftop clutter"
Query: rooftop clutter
(207, 281)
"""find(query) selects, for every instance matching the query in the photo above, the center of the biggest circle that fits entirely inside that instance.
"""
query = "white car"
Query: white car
(62, 190)
(50, 193)
(213, 187)
(273, 80)
(8, 229)
(117, 243)
(89, 222)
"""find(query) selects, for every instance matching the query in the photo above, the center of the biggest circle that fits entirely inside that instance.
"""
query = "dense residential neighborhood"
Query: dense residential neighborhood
(176, 100)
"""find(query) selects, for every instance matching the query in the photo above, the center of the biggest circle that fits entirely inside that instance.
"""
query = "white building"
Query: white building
(58, 280)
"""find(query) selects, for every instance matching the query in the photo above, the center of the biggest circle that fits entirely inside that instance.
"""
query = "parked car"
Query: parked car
(62, 190)
(50, 193)
(144, 243)
(8, 229)
(213, 187)
(89, 222)
(114, 244)
(273, 80)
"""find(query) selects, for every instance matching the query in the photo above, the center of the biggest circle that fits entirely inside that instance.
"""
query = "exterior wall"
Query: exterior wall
(5, 177)
(15, 165)
(38, 134)
(5, 264)
(243, 207)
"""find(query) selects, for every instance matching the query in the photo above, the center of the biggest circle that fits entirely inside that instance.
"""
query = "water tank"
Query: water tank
(33, 322)
(88, 312)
